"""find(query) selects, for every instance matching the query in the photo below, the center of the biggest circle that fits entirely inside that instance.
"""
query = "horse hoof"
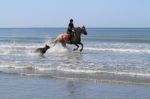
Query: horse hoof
(80, 50)
(74, 49)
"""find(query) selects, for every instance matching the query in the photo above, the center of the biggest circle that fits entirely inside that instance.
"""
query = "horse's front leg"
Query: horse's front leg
(81, 46)
(77, 46)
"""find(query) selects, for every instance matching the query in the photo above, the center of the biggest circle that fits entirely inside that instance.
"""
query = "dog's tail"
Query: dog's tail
(43, 50)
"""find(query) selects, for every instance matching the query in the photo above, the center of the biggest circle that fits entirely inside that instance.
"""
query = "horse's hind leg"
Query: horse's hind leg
(76, 46)
(63, 43)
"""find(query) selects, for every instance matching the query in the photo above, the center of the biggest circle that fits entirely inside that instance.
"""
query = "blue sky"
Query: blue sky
(91, 13)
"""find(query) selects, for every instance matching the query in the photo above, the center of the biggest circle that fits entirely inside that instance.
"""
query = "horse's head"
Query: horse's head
(84, 30)
(81, 30)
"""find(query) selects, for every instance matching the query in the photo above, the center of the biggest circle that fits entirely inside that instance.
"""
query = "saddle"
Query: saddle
(66, 36)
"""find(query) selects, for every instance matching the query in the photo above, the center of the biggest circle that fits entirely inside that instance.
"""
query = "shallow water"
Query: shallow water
(14, 87)
(109, 54)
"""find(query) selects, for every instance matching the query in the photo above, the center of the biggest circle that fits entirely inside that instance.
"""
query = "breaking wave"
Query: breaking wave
(119, 50)
(29, 49)
(78, 73)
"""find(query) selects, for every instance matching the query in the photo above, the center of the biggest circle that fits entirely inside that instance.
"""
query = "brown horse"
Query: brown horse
(76, 38)
(64, 39)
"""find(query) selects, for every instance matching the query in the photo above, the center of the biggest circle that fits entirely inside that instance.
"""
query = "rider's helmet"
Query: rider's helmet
(71, 20)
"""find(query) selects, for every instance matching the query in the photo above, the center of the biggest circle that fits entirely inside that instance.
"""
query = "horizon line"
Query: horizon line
(66, 27)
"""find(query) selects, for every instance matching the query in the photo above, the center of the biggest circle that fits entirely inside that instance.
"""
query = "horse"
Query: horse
(63, 38)
(75, 39)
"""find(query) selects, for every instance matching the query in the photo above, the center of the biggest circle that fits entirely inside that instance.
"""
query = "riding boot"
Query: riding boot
(70, 41)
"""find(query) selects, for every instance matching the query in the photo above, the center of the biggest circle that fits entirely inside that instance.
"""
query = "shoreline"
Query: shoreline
(15, 86)
(101, 77)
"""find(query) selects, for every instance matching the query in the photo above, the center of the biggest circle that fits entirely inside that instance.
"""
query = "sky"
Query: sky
(91, 13)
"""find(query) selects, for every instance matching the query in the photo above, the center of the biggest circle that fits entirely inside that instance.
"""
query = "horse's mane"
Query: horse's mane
(77, 29)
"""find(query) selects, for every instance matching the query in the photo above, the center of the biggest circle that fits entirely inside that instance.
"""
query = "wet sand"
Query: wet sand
(23, 87)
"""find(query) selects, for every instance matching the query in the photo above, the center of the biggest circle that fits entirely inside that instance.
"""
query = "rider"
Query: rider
(70, 29)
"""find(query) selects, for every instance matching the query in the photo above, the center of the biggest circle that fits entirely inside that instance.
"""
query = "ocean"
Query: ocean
(114, 64)
(109, 54)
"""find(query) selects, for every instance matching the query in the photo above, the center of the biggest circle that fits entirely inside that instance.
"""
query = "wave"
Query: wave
(28, 49)
(17, 49)
(78, 73)
(119, 50)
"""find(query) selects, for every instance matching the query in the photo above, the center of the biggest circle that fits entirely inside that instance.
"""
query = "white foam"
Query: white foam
(78, 70)
(17, 49)
(58, 48)
(74, 70)
(119, 50)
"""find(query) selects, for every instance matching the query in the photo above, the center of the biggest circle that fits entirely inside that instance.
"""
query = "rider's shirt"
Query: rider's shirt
(70, 28)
